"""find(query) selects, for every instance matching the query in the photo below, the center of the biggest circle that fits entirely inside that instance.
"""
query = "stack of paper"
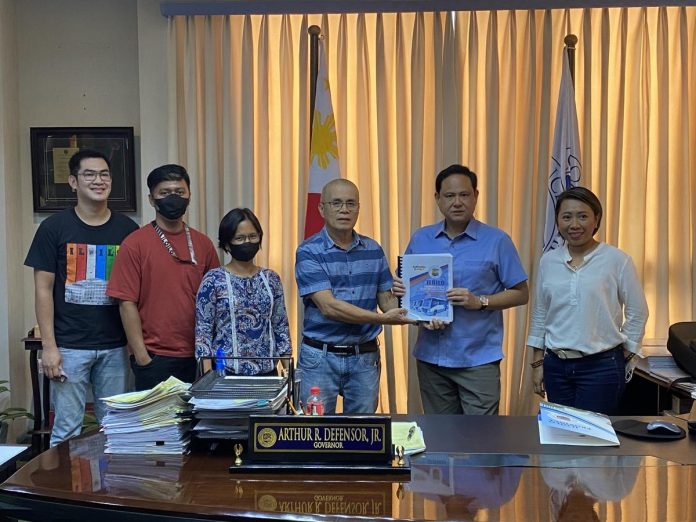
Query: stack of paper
(666, 367)
(222, 404)
(409, 435)
(148, 421)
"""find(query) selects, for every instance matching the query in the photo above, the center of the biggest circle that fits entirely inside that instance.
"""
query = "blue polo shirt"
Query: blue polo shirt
(486, 262)
(354, 275)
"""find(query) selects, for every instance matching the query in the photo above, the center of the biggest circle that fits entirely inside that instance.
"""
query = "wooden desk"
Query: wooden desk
(489, 468)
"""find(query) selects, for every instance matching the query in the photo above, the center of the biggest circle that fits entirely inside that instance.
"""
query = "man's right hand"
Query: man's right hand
(434, 324)
(398, 287)
(51, 361)
(142, 359)
(396, 316)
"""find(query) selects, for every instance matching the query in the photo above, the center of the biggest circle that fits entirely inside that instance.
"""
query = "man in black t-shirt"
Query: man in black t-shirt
(81, 332)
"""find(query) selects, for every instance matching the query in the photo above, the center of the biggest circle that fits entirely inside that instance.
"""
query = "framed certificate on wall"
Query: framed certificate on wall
(51, 150)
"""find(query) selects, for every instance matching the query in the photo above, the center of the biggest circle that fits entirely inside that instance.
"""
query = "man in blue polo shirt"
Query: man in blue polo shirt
(342, 278)
(459, 363)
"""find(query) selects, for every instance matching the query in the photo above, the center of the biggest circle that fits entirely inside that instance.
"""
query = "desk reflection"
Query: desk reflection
(77, 475)
(577, 484)
(276, 494)
(153, 477)
(465, 484)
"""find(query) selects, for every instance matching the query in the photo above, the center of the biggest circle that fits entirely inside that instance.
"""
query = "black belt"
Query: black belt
(345, 349)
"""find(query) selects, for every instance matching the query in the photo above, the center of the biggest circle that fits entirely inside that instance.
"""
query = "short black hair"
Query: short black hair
(586, 196)
(76, 159)
(170, 172)
(455, 169)
(229, 224)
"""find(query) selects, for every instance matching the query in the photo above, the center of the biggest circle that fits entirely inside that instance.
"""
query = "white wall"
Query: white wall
(155, 88)
(11, 291)
(68, 63)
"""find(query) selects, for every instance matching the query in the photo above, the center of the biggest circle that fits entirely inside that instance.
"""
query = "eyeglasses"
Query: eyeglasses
(91, 175)
(241, 239)
(337, 204)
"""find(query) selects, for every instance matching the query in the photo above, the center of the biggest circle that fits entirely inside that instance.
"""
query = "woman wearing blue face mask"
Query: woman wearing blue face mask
(240, 308)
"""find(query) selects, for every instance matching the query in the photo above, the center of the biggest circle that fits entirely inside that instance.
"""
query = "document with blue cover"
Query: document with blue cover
(560, 424)
(427, 277)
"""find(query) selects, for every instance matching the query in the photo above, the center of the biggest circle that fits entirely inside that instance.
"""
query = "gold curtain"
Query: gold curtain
(415, 92)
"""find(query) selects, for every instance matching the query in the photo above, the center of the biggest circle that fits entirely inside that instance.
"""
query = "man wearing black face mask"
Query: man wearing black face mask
(155, 276)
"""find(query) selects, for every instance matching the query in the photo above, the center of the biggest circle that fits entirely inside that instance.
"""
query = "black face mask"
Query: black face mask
(172, 206)
(245, 251)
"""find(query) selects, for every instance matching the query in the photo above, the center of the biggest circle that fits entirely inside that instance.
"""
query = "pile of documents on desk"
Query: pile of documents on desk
(665, 369)
(222, 404)
(148, 421)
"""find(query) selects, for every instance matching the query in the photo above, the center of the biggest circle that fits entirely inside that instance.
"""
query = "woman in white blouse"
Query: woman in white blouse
(588, 314)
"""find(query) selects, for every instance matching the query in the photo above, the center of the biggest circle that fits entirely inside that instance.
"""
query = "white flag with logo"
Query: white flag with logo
(565, 168)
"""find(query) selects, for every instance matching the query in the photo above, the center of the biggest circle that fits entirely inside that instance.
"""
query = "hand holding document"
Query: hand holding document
(574, 427)
(426, 278)
(408, 435)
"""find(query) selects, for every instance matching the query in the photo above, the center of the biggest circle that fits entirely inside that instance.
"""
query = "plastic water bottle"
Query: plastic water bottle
(314, 406)
(220, 362)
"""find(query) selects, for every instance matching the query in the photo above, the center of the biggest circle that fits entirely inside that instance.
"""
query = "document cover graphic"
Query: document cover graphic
(88, 271)
(427, 278)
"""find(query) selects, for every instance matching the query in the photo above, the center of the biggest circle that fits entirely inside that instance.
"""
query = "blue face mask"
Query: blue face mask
(172, 206)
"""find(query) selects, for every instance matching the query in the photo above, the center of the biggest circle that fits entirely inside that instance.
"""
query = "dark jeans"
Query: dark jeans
(161, 368)
(595, 382)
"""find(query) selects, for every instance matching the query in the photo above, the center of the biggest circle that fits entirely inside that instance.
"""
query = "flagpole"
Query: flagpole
(565, 168)
(570, 42)
(314, 33)
(323, 146)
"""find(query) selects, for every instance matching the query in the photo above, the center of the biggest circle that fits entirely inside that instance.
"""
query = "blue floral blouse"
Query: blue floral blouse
(256, 320)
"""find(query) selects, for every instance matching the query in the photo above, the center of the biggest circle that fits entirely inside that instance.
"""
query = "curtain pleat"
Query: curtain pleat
(414, 92)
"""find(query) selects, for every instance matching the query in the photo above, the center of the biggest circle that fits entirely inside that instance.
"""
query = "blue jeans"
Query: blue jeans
(355, 377)
(594, 382)
(106, 371)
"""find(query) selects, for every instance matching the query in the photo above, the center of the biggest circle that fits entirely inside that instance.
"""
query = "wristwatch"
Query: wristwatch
(484, 302)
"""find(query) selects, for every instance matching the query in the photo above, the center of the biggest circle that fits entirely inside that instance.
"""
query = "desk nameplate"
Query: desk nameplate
(319, 444)
(319, 439)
